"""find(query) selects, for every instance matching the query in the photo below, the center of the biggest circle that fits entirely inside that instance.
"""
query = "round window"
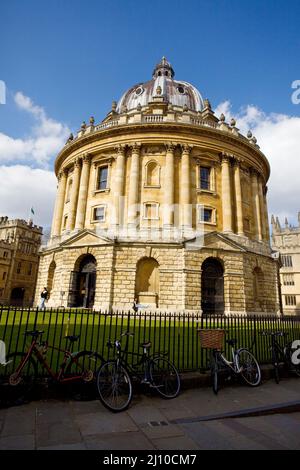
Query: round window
(180, 89)
(139, 91)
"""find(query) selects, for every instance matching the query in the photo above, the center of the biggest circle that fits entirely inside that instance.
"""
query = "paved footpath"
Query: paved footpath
(154, 423)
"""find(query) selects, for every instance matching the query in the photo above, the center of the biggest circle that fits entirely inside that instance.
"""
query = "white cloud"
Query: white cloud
(45, 140)
(22, 188)
(278, 136)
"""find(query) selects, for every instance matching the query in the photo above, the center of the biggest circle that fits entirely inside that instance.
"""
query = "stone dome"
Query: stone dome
(177, 93)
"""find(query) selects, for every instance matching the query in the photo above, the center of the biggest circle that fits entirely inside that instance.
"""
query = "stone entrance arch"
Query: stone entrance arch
(17, 296)
(212, 286)
(147, 282)
(83, 282)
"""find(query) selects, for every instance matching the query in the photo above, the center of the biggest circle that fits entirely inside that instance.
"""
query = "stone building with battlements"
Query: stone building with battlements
(19, 246)
(163, 202)
(286, 240)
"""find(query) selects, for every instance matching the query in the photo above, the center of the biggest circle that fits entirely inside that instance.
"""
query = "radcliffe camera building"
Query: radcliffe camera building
(164, 202)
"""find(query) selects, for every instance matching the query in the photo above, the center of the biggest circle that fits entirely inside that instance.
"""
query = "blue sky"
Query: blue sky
(72, 58)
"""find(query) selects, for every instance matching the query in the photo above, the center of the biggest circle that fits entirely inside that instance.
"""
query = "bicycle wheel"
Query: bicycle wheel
(114, 386)
(164, 377)
(17, 387)
(82, 371)
(214, 369)
(249, 367)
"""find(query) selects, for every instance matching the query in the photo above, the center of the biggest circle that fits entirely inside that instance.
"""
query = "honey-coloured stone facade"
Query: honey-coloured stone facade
(164, 203)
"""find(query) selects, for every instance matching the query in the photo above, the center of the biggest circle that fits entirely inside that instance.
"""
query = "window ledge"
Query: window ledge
(97, 221)
(206, 223)
(148, 186)
(106, 190)
(206, 191)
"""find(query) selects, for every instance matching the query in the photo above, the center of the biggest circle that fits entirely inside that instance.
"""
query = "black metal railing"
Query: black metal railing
(175, 333)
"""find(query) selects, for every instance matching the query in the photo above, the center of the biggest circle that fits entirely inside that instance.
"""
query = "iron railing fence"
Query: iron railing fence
(174, 333)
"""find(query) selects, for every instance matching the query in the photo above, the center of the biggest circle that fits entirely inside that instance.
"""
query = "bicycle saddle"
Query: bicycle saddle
(231, 342)
(146, 345)
(72, 338)
(33, 333)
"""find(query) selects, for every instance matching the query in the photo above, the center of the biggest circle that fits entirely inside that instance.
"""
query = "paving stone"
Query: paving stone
(175, 443)
(15, 442)
(76, 446)
(57, 433)
(122, 441)
(19, 420)
(94, 423)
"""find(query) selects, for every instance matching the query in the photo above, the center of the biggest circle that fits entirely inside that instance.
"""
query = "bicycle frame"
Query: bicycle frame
(233, 365)
(33, 350)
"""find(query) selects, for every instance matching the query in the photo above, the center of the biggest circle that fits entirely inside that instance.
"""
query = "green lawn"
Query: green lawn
(176, 335)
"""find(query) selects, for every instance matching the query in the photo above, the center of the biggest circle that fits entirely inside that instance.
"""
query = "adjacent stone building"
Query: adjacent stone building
(19, 245)
(164, 202)
(286, 240)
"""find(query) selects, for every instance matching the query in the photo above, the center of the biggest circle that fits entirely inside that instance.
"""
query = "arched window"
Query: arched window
(152, 174)
(147, 282)
(69, 190)
(258, 288)
(51, 272)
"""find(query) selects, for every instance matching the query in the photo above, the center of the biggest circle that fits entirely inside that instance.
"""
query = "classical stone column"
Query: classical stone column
(266, 216)
(74, 195)
(118, 187)
(226, 193)
(238, 197)
(168, 219)
(185, 195)
(261, 206)
(256, 205)
(83, 192)
(59, 204)
(133, 193)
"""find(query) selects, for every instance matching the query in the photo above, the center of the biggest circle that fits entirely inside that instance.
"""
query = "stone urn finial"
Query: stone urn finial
(92, 120)
(222, 118)
(158, 90)
(114, 106)
(232, 122)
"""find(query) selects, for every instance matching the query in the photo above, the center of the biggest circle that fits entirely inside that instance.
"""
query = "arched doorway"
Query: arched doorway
(83, 283)
(147, 282)
(17, 296)
(51, 272)
(212, 283)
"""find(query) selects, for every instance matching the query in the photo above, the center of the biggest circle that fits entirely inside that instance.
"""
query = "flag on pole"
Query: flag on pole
(32, 211)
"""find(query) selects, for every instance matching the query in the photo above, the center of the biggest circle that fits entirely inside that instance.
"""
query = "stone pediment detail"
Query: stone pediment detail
(216, 241)
(86, 238)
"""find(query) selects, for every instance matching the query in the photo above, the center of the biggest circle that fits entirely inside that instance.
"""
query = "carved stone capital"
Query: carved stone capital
(254, 173)
(225, 158)
(62, 173)
(120, 149)
(170, 146)
(135, 147)
(77, 163)
(186, 148)
(86, 158)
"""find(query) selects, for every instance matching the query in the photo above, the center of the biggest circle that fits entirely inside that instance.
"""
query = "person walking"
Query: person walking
(44, 296)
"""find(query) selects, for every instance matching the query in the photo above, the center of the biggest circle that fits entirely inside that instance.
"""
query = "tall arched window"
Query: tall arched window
(152, 174)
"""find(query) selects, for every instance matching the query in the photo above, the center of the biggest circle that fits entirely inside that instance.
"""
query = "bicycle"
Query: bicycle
(114, 378)
(243, 362)
(281, 355)
(21, 369)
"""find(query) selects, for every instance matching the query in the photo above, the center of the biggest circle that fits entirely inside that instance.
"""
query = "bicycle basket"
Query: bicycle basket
(211, 339)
